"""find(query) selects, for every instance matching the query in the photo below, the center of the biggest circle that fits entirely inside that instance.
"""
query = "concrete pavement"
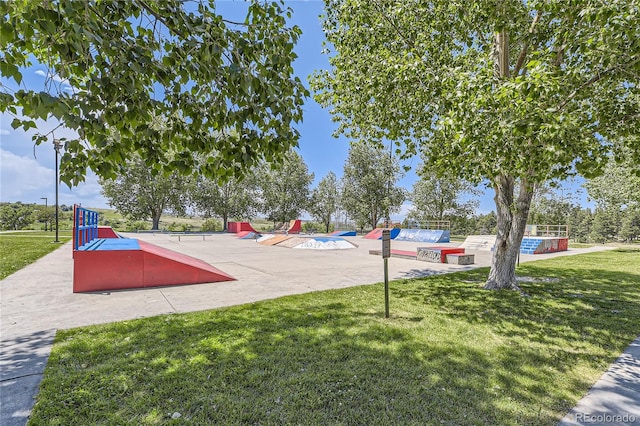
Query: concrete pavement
(38, 299)
(615, 398)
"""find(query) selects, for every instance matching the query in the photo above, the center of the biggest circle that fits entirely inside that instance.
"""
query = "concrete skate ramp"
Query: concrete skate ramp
(325, 243)
(424, 235)
(246, 235)
(344, 234)
(292, 242)
(479, 242)
(540, 245)
(276, 239)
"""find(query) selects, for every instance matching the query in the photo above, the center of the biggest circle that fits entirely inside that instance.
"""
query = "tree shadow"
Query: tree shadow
(452, 353)
(22, 363)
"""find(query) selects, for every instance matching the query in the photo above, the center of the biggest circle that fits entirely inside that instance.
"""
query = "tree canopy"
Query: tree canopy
(115, 66)
(516, 93)
(369, 184)
(140, 194)
(438, 197)
(325, 200)
(618, 187)
(285, 190)
(232, 199)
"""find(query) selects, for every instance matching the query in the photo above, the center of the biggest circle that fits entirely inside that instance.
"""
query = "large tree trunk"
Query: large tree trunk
(156, 220)
(225, 221)
(512, 221)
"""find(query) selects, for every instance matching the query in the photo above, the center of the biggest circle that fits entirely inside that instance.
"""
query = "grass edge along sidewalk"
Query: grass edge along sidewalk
(452, 353)
(19, 249)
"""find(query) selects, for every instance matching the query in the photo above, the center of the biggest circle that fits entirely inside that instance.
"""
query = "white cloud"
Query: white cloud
(404, 211)
(4, 132)
(54, 77)
(21, 175)
(25, 179)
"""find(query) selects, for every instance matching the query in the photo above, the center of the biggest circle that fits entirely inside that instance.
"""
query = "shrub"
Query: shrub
(138, 225)
(211, 225)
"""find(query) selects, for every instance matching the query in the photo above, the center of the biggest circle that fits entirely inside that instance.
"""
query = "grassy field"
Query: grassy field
(22, 248)
(451, 354)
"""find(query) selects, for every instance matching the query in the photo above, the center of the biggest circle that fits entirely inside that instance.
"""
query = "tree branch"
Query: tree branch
(525, 48)
(160, 18)
(592, 80)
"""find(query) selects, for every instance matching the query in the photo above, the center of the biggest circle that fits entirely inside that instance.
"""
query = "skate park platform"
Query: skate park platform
(540, 245)
(424, 235)
(529, 245)
(116, 263)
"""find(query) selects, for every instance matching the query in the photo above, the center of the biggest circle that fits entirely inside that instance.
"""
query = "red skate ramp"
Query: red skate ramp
(237, 227)
(167, 267)
(295, 226)
(376, 234)
(107, 232)
(107, 265)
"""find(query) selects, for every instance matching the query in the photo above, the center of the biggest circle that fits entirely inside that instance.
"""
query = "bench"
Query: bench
(402, 254)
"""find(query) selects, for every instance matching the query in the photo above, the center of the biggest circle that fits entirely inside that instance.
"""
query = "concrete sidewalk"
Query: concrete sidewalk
(38, 299)
(615, 398)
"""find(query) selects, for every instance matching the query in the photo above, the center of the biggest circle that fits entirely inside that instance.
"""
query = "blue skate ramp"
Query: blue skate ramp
(424, 235)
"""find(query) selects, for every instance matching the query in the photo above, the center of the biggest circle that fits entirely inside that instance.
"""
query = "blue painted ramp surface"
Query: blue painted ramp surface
(107, 244)
(343, 234)
(424, 235)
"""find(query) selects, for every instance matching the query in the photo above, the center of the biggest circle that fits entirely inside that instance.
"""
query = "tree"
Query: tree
(551, 206)
(285, 189)
(115, 66)
(45, 215)
(516, 93)
(617, 193)
(605, 225)
(618, 187)
(325, 200)
(139, 192)
(486, 224)
(369, 190)
(436, 198)
(235, 198)
(15, 216)
(630, 227)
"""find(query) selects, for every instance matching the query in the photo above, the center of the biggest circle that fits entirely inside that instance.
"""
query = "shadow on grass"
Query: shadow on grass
(451, 354)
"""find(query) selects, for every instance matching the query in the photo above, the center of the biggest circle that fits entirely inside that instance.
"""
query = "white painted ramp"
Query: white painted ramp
(479, 242)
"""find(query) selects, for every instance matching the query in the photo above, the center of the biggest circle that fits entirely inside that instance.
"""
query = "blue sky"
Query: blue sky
(27, 171)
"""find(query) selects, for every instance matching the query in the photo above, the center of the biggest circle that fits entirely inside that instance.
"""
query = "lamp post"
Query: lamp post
(46, 208)
(56, 147)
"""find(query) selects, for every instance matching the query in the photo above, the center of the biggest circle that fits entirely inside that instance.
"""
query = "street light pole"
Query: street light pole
(56, 146)
(46, 208)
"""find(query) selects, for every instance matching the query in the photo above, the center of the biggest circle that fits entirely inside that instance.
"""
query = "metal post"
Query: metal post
(386, 254)
(386, 288)
(56, 147)
(46, 208)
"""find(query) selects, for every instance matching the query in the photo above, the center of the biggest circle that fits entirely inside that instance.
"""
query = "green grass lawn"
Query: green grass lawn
(22, 248)
(451, 354)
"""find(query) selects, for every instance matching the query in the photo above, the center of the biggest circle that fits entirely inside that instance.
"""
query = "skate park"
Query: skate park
(39, 299)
